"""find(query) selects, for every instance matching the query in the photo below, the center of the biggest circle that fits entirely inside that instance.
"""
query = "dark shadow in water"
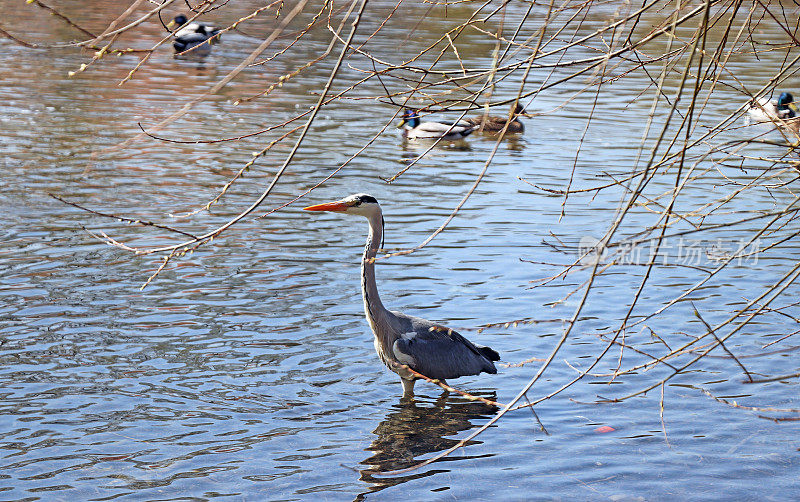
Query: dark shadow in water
(421, 145)
(194, 64)
(415, 428)
(512, 141)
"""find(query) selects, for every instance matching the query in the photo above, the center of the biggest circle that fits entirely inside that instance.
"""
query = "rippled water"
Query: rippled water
(246, 371)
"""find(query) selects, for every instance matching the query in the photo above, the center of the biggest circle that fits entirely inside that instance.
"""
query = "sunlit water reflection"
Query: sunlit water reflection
(247, 371)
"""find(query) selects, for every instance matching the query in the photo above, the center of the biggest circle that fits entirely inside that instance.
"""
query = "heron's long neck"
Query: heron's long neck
(373, 308)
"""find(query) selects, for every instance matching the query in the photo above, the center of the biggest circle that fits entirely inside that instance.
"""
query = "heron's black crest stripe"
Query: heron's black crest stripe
(368, 198)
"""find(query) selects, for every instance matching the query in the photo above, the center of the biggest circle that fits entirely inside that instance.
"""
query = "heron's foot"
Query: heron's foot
(408, 387)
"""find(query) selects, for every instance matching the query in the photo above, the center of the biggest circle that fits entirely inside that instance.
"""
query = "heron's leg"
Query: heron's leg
(408, 387)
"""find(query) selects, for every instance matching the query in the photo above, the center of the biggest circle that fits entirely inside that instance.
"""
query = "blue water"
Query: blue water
(245, 371)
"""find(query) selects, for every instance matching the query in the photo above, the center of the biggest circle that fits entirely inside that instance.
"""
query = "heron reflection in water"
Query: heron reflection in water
(413, 429)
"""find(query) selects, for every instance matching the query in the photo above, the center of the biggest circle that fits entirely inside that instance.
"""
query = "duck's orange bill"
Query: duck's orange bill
(338, 207)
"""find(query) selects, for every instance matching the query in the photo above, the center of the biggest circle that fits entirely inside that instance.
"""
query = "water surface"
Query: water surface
(247, 372)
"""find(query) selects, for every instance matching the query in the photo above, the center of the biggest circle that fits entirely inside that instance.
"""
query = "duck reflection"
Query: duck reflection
(412, 148)
(417, 427)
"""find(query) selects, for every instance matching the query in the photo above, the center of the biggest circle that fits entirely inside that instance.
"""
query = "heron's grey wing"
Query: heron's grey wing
(439, 352)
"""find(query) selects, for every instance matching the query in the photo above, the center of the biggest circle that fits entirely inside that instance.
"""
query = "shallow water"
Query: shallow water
(246, 371)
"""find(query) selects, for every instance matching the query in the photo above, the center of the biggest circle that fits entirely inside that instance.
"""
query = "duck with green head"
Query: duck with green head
(194, 34)
(770, 110)
(415, 128)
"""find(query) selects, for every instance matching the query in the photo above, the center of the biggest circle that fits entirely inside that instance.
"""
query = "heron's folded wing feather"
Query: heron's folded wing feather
(440, 358)
(439, 352)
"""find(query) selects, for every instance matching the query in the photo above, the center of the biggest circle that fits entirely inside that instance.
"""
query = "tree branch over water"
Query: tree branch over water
(695, 163)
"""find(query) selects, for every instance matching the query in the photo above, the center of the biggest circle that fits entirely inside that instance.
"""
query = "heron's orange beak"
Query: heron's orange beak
(336, 207)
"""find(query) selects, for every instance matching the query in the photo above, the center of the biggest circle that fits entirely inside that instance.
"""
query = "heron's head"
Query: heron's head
(179, 20)
(361, 204)
(410, 117)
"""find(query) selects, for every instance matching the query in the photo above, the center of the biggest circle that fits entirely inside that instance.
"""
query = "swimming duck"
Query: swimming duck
(769, 110)
(496, 124)
(192, 34)
(414, 128)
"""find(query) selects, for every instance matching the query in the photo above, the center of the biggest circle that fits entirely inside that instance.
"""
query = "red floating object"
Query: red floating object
(604, 429)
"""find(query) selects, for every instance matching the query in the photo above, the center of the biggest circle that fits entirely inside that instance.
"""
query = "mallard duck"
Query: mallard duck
(414, 128)
(770, 110)
(192, 34)
(496, 124)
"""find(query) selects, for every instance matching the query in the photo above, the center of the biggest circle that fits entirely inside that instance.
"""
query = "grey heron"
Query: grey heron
(400, 339)
(414, 128)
